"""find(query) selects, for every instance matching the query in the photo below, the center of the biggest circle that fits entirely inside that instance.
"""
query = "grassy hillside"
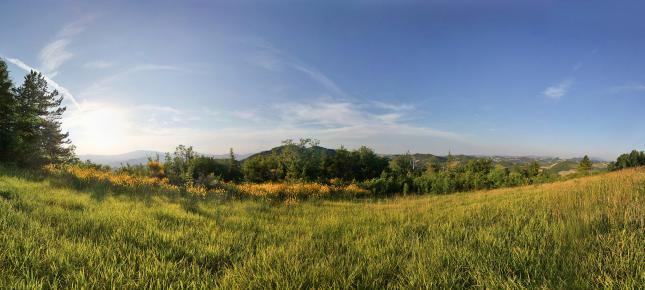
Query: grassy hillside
(582, 233)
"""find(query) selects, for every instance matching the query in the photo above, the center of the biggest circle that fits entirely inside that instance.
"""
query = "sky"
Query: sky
(557, 78)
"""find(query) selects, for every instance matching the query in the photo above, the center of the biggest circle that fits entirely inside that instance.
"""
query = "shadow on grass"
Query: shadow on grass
(99, 192)
(25, 174)
(7, 195)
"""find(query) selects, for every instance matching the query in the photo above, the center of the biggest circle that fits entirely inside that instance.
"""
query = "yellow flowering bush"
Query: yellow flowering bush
(89, 177)
(354, 190)
(284, 190)
(92, 177)
(298, 191)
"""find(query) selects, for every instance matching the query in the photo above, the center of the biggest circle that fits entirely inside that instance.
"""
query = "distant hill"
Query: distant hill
(507, 161)
(552, 164)
(279, 149)
(116, 160)
(139, 157)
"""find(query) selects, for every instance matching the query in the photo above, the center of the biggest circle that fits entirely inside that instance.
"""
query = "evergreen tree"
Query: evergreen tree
(232, 163)
(585, 165)
(40, 139)
(234, 171)
(7, 114)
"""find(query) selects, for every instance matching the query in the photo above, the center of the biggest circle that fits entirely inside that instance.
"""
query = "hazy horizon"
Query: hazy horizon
(246, 154)
(497, 78)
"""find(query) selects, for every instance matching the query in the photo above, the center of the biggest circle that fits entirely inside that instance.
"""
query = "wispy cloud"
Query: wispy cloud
(99, 64)
(270, 58)
(247, 115)
(351, 117)
(75, 27)
(627, 88)
(55, 53)
(102, 86)
(266, 59)
(323, 114)
(62, 90)
(320, 78)
(559, 90)
(393, 107)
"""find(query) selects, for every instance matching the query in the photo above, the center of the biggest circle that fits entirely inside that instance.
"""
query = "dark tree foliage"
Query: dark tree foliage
(185, 166)
(452, 176)
(585, 165)
(627, 160)
(306, 161)
(7, 115)
(234, 172)
(179, 165)
(33, 124)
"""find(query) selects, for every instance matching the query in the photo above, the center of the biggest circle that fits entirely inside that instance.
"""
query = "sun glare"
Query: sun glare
(99, 129)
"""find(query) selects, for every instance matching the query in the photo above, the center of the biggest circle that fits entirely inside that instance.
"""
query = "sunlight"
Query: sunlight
(98, 128)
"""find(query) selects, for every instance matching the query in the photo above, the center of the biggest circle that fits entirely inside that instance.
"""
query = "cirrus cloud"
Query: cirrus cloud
(559, 90)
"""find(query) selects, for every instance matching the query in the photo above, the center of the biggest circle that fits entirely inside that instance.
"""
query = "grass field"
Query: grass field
(582, 233)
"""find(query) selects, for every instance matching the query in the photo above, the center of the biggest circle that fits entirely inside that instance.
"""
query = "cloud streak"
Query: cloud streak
(559, 90)
(270, 58)
(627, 89)
(55, 53)
(99, 64)
(330, 116)
(103, 85)
(62, 90)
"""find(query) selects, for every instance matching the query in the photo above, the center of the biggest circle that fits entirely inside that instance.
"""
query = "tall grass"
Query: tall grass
(582, 233)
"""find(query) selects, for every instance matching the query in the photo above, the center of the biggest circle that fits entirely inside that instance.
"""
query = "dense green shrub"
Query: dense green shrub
(633, 159)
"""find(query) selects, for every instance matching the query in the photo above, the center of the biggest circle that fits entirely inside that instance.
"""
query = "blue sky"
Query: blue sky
(501, 77)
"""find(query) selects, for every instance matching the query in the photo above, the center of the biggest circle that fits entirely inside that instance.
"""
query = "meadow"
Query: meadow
(581, 233)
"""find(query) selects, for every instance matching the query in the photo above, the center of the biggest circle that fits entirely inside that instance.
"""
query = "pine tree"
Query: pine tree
(232, 163)
(234, 171)
(7, 114)
(40, 138)
(585, 165)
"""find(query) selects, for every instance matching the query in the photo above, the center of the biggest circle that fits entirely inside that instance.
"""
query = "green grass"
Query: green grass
(582, 233)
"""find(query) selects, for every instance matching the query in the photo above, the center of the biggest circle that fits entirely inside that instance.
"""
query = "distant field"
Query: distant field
(582, 233)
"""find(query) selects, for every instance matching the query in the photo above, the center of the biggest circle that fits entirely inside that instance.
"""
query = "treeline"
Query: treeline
(30, 133)
(305, 161)
(383, 175)
(627, 160)
(454, 176)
